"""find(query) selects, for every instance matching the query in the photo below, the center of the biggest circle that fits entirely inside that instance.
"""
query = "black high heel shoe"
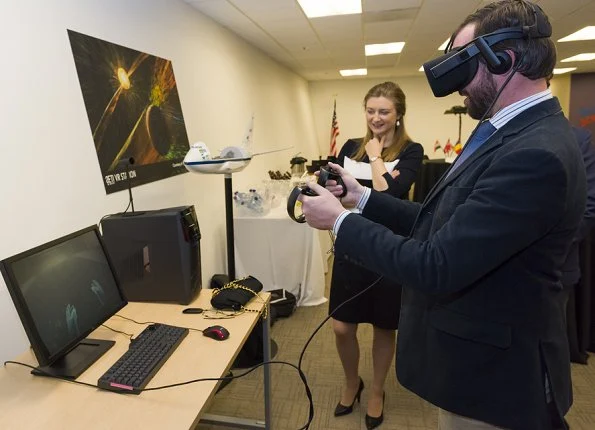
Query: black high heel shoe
(341, 410)
(373, 422)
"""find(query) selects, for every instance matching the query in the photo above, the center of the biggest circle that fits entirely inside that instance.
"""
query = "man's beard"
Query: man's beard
(480, 98)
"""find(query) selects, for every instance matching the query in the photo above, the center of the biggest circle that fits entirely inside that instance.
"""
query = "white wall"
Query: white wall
(50, 179)
(425, 120)
(560, 86)
(49, 173)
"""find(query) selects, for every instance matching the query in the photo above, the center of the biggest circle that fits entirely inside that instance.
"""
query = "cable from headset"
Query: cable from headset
(488, 110)
(161, 387)
(299, 366)
(226, 378)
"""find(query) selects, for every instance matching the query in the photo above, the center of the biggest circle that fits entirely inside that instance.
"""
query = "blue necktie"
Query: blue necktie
(483, 132)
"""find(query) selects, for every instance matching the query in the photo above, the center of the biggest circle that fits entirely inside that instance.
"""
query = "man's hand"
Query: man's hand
(322, 210)
(354, 188)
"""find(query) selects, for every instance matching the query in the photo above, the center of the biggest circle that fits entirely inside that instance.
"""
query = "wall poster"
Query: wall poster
(134, 110)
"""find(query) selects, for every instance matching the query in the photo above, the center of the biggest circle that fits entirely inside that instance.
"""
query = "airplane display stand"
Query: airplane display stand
(233, 159)
(226, 166)
(236, 160)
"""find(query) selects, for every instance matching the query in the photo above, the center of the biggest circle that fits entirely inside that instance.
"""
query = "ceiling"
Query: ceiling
(318, 48)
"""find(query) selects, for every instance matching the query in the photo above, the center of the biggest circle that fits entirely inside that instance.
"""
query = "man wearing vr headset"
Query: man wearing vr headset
(482, 331)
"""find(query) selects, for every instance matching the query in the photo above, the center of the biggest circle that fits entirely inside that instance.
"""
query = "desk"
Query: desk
(429, 174)
(281, 253)
(35, 402)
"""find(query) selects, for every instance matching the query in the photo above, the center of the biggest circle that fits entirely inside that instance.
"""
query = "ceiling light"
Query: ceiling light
(444, 45)
(580, 57)
(564, 70)
(587, 33)
(384, 48)
(318, 8)
(354, 72)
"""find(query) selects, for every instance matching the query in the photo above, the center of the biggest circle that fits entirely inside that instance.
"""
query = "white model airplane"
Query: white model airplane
(231, 158)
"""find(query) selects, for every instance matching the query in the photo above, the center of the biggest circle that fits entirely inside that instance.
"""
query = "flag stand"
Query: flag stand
(460, 111)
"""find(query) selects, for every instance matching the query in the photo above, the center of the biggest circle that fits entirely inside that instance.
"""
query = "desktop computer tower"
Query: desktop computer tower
(156, 254)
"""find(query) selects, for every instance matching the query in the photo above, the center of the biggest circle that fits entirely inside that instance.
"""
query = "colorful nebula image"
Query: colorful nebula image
(134, 112)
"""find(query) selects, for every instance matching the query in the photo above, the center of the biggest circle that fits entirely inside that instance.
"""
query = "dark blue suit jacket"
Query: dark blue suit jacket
(482, 316)
(571, 272)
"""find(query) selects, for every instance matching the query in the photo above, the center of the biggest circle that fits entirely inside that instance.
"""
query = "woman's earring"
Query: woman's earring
(398, 123)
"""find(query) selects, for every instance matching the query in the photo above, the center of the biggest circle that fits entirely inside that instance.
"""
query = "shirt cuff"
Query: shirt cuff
(363, 200)
(339, 220)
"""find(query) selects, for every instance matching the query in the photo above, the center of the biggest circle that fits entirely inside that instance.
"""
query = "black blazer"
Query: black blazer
(482, 317)
(410, 159)
(571, 271)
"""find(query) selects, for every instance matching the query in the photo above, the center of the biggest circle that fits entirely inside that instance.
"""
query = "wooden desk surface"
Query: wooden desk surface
(34, 402)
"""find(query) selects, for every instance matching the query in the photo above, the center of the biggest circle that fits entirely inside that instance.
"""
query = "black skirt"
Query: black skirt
(380, 305)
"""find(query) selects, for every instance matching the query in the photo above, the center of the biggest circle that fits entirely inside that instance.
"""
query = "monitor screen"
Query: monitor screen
(63, 290)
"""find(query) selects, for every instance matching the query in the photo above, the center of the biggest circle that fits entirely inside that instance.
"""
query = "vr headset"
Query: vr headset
(454, 70)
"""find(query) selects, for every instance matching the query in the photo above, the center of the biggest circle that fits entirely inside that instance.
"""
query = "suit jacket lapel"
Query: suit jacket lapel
(515, 125)
(493, 142)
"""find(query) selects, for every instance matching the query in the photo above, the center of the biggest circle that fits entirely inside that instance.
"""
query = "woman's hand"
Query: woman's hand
(374, 147)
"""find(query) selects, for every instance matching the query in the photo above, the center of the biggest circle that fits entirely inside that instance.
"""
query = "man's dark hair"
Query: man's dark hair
(537, 55)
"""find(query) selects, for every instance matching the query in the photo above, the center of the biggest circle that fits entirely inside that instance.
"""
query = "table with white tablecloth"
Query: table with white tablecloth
(282, 253)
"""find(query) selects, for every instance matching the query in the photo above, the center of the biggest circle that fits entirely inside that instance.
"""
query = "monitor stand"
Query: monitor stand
(77, 360)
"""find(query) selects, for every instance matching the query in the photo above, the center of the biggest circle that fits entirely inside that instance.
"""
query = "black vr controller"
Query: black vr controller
(325, 174)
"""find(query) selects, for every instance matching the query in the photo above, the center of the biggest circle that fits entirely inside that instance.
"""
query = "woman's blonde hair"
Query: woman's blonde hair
(395, 94)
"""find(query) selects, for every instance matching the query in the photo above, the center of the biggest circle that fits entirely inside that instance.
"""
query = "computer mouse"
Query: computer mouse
(216, 332)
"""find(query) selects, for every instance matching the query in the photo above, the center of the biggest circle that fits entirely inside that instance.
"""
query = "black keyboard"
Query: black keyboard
(145, 356)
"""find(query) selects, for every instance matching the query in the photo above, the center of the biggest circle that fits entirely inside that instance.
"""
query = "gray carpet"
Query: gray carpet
(403, 410)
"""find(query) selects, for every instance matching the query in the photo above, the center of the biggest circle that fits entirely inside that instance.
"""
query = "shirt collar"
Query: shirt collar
(509, 112)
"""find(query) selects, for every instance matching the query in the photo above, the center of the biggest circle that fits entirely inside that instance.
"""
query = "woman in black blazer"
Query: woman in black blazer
(387, 160)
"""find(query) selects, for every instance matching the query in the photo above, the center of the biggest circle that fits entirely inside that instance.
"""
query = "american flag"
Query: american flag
(334, 132)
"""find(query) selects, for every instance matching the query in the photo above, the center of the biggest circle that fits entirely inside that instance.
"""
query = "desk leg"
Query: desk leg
(266, 353)
(250, 423)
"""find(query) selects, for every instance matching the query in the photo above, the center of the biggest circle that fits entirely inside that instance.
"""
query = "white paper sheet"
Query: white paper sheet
(361, 170)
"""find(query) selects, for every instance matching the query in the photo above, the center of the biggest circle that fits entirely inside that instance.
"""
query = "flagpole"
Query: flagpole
(460, 125)
(334, 132)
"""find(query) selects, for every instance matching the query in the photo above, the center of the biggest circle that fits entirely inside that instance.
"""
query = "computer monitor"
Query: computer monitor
(62, 291)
